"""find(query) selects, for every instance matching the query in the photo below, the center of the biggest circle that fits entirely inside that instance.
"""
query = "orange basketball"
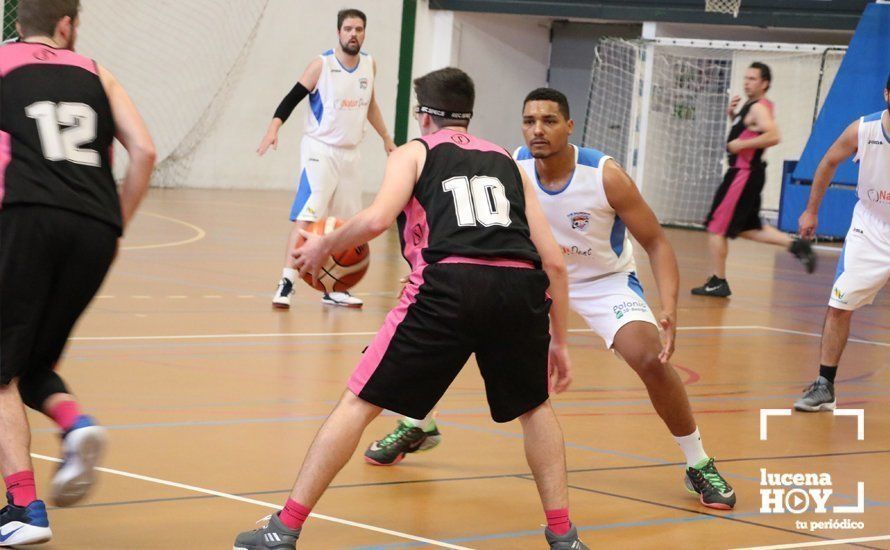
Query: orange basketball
(344, 269)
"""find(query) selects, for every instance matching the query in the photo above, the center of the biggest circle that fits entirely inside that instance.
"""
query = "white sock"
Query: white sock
(692, 448)
(289, 274)
(423, 423)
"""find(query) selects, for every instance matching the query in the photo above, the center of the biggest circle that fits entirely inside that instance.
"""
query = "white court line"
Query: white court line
(228, 496)
(372, 333)
(812, 544)
(826, 248)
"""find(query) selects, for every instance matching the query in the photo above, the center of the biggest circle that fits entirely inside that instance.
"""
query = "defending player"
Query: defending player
(60, 222)
(475, 237)
(864, 266)
(340, 86)
(735, 211)
(590, 203)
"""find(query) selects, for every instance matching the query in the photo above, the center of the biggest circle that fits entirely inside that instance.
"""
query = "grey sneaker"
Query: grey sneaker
(819, 396)
(272, 536)
(569, 541)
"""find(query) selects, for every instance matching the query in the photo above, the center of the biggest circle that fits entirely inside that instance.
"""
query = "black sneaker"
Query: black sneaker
(803, 251)
(406, 438)
(713, 490)
(569, 541)
(715, 286)
(272, 536)
(24, 524)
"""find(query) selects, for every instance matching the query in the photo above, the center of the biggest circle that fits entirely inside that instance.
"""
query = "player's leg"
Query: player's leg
(390, 450)
(346, 202)
(799, 248)
(718, 222)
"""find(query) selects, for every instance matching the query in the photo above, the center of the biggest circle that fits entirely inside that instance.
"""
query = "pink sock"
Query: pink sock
(294, 514)
(21, 486)
(558, 521)
(65, 414)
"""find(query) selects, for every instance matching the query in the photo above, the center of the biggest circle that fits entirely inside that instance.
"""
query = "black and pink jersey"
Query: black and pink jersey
(56, 132)
(747, 158)
(468, 203)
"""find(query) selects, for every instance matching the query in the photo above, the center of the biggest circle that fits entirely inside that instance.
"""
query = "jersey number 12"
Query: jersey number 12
(79, 120)
(481, 199)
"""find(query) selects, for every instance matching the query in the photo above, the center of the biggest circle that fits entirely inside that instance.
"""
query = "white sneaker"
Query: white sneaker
(342, 299)
(82, 450)
(283, 293)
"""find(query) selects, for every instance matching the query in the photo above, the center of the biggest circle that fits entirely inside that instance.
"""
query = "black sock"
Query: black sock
(828, 372)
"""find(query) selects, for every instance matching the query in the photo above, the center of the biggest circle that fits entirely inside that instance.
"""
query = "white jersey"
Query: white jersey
(873, 157)
(338, 106)
(592, 236)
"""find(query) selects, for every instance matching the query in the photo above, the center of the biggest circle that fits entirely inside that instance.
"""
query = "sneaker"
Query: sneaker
(803, 251)
(715, 286)
(24, 525)
(342, 299)
(274, 535)
(282, 296)
(569, 541)
(82, 448)
(819, 396)
(406, 438)
(713, 490)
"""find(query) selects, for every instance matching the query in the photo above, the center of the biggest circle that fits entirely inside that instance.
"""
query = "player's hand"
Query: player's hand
(389, 145)
(806, 225)
(404, 282)
(730, 111)
(668, 324)
(734, 146)
(560, 367)
(269, 140)
(310, 256)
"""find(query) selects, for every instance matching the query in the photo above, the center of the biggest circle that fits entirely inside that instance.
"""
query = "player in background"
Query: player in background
(864, 266)
(340, 86)
(590, 204)
(60, 222)
(735, 211)
(476, 239)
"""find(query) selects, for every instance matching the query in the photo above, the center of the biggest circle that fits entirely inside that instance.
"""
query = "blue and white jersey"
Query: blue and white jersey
(873, 156)
(338, 106)
(592, 236)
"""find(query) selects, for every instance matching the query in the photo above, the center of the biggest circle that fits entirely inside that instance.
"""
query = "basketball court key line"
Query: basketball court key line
(237, 498)
(812, 544)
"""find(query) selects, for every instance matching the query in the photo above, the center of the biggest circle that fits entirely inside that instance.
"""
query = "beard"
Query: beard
(352, 48)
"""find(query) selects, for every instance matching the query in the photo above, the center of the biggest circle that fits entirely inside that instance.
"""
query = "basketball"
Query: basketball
(344, 269)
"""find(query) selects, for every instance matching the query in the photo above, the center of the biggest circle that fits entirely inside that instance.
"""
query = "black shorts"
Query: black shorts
(447, 312)
(736, 205)
(52, 262)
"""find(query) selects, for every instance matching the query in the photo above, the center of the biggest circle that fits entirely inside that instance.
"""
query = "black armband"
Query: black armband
(290, 101)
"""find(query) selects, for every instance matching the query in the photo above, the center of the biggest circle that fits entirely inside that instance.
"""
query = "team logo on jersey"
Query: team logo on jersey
(838, 295)
(879, 196)
(580, 220)
(460, 139)
(44, 55)
(875, 142)
(363, 83)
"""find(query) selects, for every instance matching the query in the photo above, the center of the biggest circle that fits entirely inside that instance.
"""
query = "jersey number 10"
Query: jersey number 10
(58, 144)
(480, 199)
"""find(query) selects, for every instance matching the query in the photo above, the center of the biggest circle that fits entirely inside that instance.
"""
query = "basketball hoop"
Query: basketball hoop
(730, 7)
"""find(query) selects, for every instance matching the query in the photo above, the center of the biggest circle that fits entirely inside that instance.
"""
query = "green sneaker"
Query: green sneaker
(713, 490)
(406, 438)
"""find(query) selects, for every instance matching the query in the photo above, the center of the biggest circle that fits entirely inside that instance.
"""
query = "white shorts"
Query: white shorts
(864, 266)
(609, 303)
(330, 182)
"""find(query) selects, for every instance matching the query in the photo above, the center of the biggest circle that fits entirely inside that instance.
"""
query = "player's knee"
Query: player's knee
(36, 387)
(647, 364)
(359, 407)
(839, 314)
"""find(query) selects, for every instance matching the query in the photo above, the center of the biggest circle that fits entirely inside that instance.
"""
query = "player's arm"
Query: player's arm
(402, 170)
(375, 117)
(307, 83)
(554, 265)
(841, 149)
(625, 198)
(762, 121)
(131, 131)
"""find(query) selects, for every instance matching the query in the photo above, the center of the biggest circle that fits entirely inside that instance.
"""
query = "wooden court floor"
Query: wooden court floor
(211, 399)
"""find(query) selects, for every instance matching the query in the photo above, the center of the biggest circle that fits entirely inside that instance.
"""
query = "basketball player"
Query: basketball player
(735, 211)
(864, 266)
(60, 221)
(476, 239)
(590, 203)
(340, 86)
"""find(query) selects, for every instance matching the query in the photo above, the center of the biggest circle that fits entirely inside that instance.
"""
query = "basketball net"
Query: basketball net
(723, 6)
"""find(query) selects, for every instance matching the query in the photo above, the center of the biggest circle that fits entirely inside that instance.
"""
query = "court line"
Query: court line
(199, 234)
(811, 544)
(237, 498)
